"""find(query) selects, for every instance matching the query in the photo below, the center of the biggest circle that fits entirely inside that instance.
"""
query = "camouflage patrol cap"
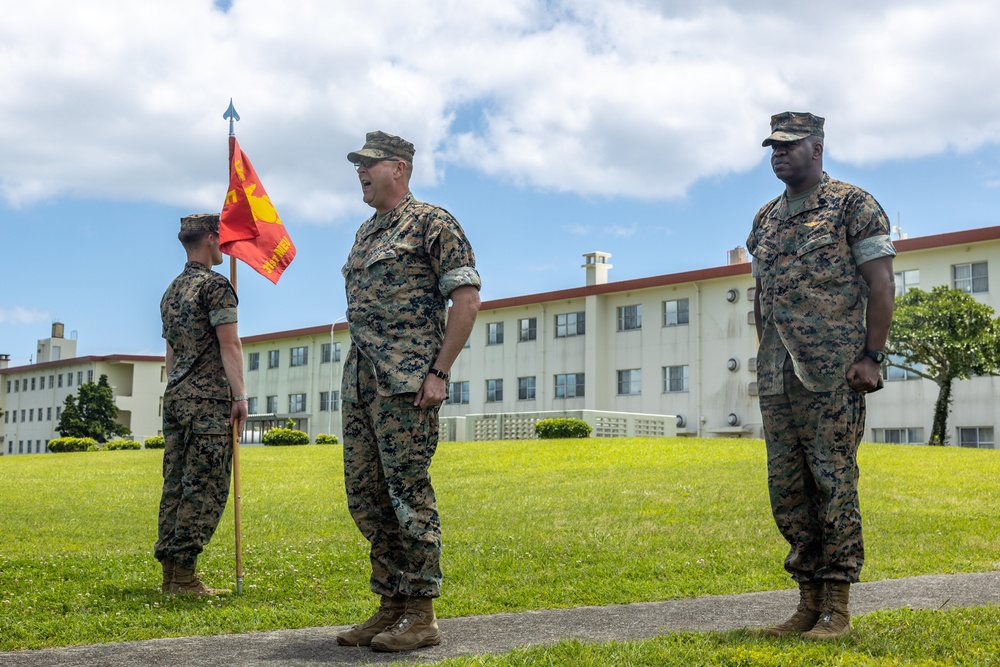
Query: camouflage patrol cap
(794, 125)
(380, 145)
(201, 222)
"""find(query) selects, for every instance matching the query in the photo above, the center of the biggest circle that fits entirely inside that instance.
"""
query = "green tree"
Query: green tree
(92, 414)
(944, 335)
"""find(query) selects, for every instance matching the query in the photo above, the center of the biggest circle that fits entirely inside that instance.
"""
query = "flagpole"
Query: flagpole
(232, 116)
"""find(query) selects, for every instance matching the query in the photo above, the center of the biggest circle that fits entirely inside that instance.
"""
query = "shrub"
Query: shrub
(59, 445)
(115, 445)
(281, 437)
(155, 442)
(325, 439)
(562, 428)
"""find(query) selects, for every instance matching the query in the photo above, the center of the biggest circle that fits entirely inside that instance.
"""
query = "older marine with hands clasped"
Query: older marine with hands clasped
(409, 259)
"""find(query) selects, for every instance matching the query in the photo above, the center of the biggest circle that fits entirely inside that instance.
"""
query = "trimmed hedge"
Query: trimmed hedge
(155, 442)
(116, 445)
(324, 439)
(562, 428)
(283, 437)
(60, 445)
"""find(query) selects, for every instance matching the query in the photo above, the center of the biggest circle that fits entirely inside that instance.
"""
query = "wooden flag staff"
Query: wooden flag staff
(232, 116)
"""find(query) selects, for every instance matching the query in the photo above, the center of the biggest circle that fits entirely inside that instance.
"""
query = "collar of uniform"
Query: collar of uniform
(814, 201)
(390, 219)
(196, 265)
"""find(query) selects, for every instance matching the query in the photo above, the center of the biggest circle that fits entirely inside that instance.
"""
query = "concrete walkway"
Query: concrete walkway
(502, 632)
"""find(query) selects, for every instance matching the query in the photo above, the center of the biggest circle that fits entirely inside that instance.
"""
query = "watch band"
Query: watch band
(440, 374)
(240, 398)
(878, 356)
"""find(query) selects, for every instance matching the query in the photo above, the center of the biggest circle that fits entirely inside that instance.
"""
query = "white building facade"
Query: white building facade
(680, 344)
(34, 396)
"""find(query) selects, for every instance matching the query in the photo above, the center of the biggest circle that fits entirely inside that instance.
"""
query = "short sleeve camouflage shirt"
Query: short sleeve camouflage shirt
(196, 302)
(812, 297)
(398, 277)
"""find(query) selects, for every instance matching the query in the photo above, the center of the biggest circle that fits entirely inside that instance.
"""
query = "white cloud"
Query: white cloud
(21, 315)
(605, 98)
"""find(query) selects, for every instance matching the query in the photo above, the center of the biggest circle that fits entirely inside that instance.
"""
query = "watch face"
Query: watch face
(877, 357)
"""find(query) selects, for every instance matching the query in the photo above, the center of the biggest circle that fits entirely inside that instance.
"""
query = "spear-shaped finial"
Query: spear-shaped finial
(231, 116)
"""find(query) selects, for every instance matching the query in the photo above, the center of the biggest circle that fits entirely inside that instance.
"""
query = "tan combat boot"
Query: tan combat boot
(808, 612)
(834, 621)
(388, 612)
(185, 581)
(168, 575)
(416, 628)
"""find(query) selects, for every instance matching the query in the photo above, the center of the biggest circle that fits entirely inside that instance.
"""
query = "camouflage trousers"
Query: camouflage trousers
(388, 445)
(812, 477)
(197, 466)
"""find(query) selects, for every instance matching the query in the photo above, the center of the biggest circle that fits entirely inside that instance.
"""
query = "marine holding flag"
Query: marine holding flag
(203, 400)
(250, 227)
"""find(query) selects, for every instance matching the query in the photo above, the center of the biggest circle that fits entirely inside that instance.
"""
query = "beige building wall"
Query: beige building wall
(33, 397)
(715, 347)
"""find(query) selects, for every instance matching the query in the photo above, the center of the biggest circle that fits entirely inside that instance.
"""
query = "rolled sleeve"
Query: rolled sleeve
(452, 280)
(873, 247)
(222, 316)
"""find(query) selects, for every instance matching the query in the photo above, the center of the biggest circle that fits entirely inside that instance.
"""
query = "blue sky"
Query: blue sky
(549, 129)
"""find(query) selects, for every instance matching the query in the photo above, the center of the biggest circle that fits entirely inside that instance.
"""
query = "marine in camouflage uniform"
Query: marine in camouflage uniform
(822, 259)
(407, 261)
(204, 365)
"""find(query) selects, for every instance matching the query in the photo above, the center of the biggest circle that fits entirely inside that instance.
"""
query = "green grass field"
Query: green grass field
(527, 525)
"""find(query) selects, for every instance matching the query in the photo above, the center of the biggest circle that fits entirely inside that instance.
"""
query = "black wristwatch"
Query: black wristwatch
(877, 356)
(440, 374)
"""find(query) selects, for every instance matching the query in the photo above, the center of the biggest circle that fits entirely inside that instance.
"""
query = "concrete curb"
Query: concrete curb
(499, 633)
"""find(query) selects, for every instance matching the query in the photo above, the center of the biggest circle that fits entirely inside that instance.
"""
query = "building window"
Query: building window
(252, 405)
(630, 382)
(51, 380)
(300, 356)
(570, 324)
(69, 380)
(527, 329)
(458, 392)
(8, 386)
(79, 378)
(907, 280)
(330, 352)
(675, 312)
(253, 361)
(32, 384)
(569, 385)
(31, 414)
(526, 389)
(48, 414)
(60, 379)
(630, 317)
(296, 402)
(90, 376)
(976, 436)
(675, 379)
(494, 333)
(273, 357)
(272, 404)
(900, 436)
(971, 278)
(58, 411)
(896, 373)
(494, 391)
(329, 400)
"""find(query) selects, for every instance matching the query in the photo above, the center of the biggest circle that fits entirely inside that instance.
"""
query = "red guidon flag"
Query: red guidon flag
(249, 227)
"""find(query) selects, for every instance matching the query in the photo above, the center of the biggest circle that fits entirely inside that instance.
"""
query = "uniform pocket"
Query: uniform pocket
(823, 259)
